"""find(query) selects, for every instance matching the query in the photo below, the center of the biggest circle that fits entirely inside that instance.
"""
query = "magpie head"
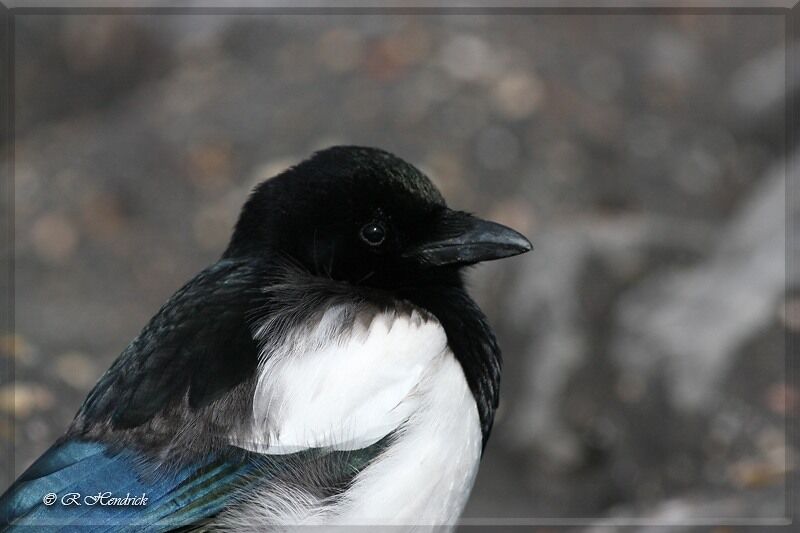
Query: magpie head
(364, 216)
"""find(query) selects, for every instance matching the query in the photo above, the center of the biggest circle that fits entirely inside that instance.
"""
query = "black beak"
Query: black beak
(461, 239)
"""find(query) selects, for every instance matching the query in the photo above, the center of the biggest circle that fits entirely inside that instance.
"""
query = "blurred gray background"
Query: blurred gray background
(643, 154)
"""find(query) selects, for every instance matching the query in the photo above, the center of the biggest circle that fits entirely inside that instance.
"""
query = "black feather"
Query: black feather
(472, 341)
(199, 344)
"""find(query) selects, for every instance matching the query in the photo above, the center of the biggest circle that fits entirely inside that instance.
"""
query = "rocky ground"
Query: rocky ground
(644, 337)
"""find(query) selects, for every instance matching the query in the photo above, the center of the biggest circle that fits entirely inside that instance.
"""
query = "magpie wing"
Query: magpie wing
(75, 471)
(199, 344)
(78, 471)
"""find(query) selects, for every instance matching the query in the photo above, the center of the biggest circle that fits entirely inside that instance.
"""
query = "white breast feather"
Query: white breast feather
(347, 391)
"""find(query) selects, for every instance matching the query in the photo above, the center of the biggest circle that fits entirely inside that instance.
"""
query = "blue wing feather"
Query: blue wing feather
(175, 498)
(178, 497)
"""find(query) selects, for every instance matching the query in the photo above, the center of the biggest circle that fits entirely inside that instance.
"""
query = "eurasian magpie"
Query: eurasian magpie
(329, 369)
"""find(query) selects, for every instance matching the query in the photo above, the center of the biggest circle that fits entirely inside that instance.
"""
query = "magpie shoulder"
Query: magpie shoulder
(196, 350)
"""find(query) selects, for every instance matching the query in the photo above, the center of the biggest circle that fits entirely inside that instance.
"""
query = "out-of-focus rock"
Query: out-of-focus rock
(760, 510)
(77, 370)
(544, 309)
(760, 85)
(67, 65)
(22, 399)
(691, 322)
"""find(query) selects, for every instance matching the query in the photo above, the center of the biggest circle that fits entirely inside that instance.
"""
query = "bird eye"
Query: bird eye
(373, 233)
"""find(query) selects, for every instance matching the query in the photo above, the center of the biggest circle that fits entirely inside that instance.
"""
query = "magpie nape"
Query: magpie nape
(329, 369)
